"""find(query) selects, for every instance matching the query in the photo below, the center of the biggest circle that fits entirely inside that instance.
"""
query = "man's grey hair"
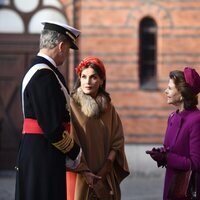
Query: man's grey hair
(49, 39)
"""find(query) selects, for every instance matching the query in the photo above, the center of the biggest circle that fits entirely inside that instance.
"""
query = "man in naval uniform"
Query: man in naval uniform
(46, 143)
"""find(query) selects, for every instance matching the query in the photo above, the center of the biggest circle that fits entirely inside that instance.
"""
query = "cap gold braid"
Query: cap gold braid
(71, 36)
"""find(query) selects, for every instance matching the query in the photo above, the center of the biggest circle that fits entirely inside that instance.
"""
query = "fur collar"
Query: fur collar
(89, 106)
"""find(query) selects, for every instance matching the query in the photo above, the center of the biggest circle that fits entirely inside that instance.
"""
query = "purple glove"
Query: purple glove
(162, 149)
(159, 155)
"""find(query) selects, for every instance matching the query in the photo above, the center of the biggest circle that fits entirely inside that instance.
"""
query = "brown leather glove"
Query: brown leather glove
(101, 187)
(90, 178)
(106, 169)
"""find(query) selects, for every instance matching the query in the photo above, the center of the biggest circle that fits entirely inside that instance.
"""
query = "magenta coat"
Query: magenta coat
(183, 140)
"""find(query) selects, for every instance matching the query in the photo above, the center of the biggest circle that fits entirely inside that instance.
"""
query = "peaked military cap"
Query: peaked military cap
(70, 32)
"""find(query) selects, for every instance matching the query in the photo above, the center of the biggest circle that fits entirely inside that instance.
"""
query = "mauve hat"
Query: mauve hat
(193, 79)
(70, 32)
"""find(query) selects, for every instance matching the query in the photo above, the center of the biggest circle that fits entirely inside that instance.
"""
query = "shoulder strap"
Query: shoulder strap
(30, 74)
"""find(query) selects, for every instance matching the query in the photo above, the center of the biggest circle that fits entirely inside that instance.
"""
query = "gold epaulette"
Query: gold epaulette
(66, 144)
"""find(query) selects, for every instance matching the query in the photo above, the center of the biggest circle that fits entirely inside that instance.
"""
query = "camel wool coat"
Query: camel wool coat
(98, 129)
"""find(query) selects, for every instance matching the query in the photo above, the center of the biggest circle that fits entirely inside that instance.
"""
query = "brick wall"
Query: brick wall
(110, 32)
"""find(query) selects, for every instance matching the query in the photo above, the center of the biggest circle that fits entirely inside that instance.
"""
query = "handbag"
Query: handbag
(100, 190)
(193, 192)
(183, 186)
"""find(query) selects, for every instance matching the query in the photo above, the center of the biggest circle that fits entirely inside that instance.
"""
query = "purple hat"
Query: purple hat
(193, 79)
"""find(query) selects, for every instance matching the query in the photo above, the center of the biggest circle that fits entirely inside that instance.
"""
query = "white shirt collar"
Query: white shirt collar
(48, 58)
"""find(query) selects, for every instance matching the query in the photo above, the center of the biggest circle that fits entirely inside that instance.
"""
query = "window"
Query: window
(147, 54)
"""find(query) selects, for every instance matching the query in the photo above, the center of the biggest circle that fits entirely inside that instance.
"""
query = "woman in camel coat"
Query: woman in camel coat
(97, 127)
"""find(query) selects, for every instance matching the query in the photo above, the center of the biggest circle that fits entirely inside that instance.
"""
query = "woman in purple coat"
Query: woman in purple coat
(181, 149)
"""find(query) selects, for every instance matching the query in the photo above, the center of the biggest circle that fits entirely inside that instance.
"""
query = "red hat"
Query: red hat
(193, 79)
(91, 60)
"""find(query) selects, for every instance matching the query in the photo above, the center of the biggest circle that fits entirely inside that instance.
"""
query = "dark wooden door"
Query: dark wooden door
(16, 51)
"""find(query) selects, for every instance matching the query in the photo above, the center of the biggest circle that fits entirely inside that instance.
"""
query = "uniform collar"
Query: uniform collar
(48, 58)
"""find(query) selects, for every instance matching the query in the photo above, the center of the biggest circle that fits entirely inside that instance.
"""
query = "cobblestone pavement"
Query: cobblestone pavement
(133, 188)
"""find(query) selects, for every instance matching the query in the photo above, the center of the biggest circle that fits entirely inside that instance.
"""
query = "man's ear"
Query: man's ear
(61, 46)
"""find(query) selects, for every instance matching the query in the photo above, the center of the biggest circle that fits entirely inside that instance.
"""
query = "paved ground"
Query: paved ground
(7, 180)
(142, 188)
(135, 187)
